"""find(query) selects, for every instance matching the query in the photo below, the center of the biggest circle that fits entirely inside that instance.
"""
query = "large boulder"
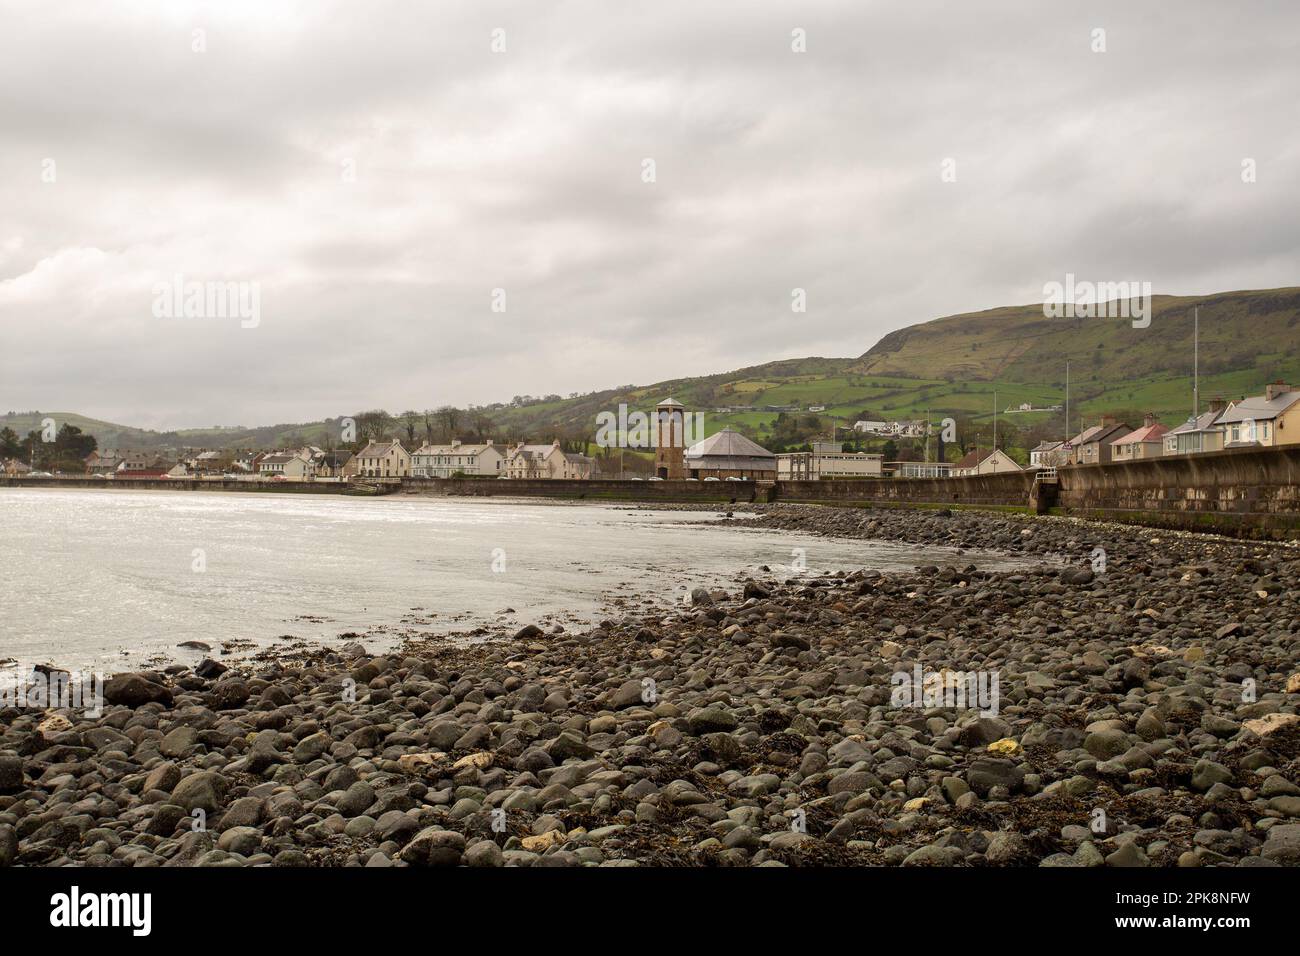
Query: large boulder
(200, 791)
(11, 773)
(434, 847)
(135, 690)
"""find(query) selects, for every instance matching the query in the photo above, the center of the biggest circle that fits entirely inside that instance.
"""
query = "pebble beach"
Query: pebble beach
(1146, 714)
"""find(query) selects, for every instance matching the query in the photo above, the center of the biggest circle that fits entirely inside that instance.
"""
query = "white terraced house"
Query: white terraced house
(383, 459)
(288, 466)
(444, 461)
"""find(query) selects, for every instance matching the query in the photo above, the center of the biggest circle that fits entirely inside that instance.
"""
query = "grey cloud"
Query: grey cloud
(522, 170)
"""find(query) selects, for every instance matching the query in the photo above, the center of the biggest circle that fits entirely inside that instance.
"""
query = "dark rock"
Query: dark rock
(135, 690)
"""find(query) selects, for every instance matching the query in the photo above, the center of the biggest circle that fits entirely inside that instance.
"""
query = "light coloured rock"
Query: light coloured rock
(412, 763)
(54, 724)
(479, 761)
(1269, 723)
(542, 841)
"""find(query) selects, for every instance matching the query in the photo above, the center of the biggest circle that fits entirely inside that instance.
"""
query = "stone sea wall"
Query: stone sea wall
(1253, 492)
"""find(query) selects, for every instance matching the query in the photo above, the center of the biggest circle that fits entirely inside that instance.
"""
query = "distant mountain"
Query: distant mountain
(112, 435)
(961, 365)
(1238, 330)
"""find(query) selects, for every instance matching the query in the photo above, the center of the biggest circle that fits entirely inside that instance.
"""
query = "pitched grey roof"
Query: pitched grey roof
(1258, 408)
(728, 444)
(534, 451)
(1200, 423)
(1099, 433)
(461, 449)
(378, 449)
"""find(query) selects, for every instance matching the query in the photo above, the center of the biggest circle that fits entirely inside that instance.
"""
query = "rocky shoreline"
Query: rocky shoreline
(1145, 714)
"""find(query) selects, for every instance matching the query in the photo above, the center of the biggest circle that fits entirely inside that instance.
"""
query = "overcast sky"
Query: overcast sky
(377, 170)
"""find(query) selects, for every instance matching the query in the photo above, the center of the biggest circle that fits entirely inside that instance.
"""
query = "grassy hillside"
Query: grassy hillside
(1239, 331)
(962, 366)
(112, 435)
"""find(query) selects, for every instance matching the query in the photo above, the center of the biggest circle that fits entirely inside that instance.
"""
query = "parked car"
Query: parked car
(710, 479)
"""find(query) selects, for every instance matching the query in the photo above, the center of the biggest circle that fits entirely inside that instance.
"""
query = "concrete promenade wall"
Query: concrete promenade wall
(595, 489)
(1248, 491)
(1009, 489)
(719, 491)
(1252, 492)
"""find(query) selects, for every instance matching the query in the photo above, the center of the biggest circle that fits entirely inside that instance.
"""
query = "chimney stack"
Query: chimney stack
(1148, 419)
(1274, 389)
(1218, 404)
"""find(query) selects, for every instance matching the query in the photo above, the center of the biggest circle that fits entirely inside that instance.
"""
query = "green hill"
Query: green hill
(112, 435)
(1238, 331)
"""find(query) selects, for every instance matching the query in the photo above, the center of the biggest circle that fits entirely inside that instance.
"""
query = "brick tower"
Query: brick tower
(670, 434)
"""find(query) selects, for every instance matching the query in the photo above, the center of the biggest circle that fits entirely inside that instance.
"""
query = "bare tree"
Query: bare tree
(373, 425)
(410, 421)
(482, 425)
(449, 421)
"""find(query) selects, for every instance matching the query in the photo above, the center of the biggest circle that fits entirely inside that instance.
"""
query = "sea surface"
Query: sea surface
(109, 580)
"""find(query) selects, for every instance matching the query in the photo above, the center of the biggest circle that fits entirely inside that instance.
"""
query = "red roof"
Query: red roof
(1145, 433)
(973, 458)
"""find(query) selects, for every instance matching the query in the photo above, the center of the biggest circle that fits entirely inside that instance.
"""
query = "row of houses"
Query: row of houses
(1255, 421)
(488, 460)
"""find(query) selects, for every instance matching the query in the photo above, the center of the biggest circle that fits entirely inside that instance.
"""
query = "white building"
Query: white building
(1047, 454)
(920, 469)
(909, 428)
(827, 460)
(870, 427)
(295, 467)
(444, 461)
